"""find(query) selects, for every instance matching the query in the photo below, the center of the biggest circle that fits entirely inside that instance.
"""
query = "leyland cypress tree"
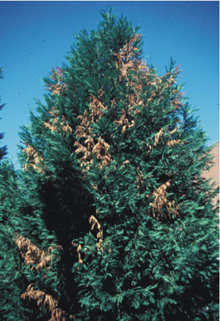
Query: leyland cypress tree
(48, 153)
(29, 252)
(116, 158)
(151, 254)
(29, 256)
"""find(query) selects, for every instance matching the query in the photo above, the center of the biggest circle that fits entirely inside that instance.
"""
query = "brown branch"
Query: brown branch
(32, 255)
(95, 223)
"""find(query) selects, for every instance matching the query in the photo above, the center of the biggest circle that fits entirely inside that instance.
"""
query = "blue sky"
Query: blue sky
(36, 36)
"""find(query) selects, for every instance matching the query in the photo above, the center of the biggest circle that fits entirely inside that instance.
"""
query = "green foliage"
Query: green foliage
(112, 172)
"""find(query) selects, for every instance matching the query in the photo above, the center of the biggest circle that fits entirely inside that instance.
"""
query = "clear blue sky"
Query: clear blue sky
(36, 36)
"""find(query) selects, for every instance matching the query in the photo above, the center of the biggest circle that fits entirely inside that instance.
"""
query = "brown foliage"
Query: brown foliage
(123, 122)
(84, 128)
(174, 142)
(89, 148)
(33, 159)
(96, 108)
(95, 112)
(54, 123)
(57, 88)
(37, 259)
(95, 223)
(125, 58)
(60, 315)
(161, 203)
(32, 255)
(42, 299)
(100, 150)
(127, 61)
(158, 137)
(46, 301)
(78, 251)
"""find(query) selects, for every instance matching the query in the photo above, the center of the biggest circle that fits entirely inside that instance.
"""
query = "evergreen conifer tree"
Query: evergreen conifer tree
(114, 159)
(29, 257)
